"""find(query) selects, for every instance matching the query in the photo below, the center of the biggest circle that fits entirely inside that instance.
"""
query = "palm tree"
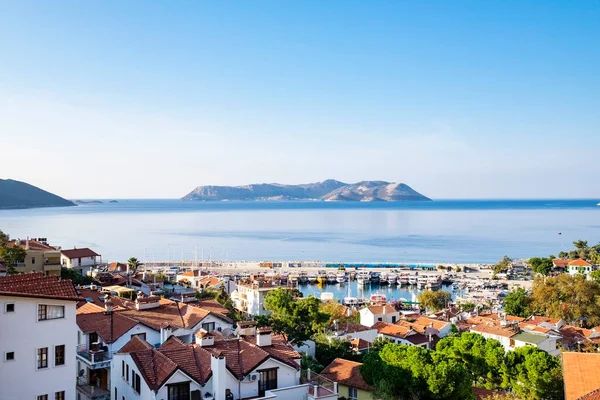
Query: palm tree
(133, 264)
(580, 244)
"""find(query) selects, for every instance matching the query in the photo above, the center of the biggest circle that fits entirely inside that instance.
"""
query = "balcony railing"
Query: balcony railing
(91, 392)
(95, 359)
(326, 387)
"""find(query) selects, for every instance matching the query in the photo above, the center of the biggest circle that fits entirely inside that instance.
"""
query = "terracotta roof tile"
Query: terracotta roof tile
(494, 330)
(169, 312)
(346, 373)
(136, 344)
(91, 318)
(382, 309)
(154, 366)
(38, 285)
(33, 245)
(581, 374)
(579, 263)
(79, 253)
(360, 344)
(210, 305)
(117, 267)
(595, 395)
(560, 263)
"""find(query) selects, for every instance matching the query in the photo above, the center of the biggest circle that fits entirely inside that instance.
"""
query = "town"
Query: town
(76, 327)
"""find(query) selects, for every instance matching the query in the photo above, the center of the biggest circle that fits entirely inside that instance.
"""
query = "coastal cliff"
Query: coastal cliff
(16, 194)
(329, 190)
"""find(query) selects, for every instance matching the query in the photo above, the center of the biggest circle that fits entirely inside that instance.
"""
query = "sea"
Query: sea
(441, 231)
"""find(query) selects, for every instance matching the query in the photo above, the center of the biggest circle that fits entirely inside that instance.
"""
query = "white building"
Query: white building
(369, 316)
(249, 297)
(38, 337)
(579, 266)
(212, 368)
(541, 341)
(82, 259)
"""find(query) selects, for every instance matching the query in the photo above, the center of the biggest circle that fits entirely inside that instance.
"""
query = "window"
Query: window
(59, 355)
(352, 393)
(393, 319)
(42, 358)
(140, 335)
(59, 395)
(127, 372)
(116, 395)
(10, 356)
(179, 391)
(10, 307)
(46, 312)
(380, 319)
(268, 381)
(122, 371)
(136, 382)
(42, 397)
(208, 326)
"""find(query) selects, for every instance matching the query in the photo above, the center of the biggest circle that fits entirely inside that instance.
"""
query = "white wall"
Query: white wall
(22, 333)
(124, 388)
(367, 318)
(152, 337)
(502, 339)
(178, 377)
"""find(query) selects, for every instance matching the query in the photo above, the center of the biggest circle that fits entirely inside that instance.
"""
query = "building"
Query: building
(38, 337)
(369, 316)
(351, 384)
(41, 257)
(428, 326)
(249, 296)
(405, 335)
(541, 341)
(581, 372)
(215, 367)
(81, 259)
(579, 266)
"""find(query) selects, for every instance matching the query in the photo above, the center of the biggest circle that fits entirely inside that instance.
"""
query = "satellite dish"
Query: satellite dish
(81, 373)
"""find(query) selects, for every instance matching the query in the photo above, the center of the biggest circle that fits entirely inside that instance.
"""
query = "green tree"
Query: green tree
(296, 318)
(563, 255)
(11, 256)
(533, 374)
(75, 276)
(133, 264)
(4, 238)
(595, 275)
(541, 265)
(312, 363)
(468, 306)
(434, 300)
(328, 349)
(516, 303)
(502, 265)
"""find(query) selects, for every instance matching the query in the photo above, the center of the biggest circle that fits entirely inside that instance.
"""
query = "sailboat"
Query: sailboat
(349, 300)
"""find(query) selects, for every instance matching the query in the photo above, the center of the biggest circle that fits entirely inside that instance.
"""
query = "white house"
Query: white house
(83, 259)
(212, 368)
(369, 316)
(579, 266)
(38, 335)
(503, 334)
(403, 335)
(541, 341)
(425, 324)
(249, 297)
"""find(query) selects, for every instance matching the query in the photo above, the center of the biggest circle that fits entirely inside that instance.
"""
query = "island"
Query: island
(329, 190)
(88, 202)
(16, 194)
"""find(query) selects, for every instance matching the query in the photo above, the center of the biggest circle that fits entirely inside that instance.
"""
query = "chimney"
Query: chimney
(204, 338)
(165, 333)
(263, 337)
(108, 304)
(27, 243)
(246, 328)
(219, 377)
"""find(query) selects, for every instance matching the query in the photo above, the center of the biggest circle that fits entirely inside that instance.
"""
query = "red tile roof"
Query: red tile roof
(91, 318)
(33, 245)
(117, 267)
(79, 253)
(37, 285)
(560, 263)
(169, 312)
(360, 344)
(346, 373)
(595, 395)
(494, 330)
(382, 309)
(579, 263)
(581, 374)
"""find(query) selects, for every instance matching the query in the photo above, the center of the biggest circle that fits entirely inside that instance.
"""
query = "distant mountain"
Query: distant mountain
(15, 194)
(329, 190)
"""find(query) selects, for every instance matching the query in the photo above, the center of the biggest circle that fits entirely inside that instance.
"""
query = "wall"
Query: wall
(344, 391)
(22, 333)
(401, 341)
(502, 339)
(124, 388)
(179, 376)
(152, 337)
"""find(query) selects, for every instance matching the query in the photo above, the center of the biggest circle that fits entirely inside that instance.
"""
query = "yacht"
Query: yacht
(383, 278)
(422, 282)
(321, 277)
(377, 298)
(341, 277)
(312, 278)
(434, 282)
(412, 279)
(375, 277)
(402, 279)
(303, 278)
(363, 277)
(331, 277)
(294, 278)
(392, 278)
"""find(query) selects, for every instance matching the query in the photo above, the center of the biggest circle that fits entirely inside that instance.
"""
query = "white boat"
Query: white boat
(392, 278)
(434, 282)
(412, 279)
(294, 278)
(331, 277)
(422, 281)
(350, 301)
(402, 279)
(363, 277)
(312, 278)
(377, 298)
(341, 277)
(327, 296)
(383, 278)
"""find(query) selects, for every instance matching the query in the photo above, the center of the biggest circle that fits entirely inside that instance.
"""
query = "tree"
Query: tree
(516, 303)
(328, 350)
(4, 238)
(563, 255)
(434, 300)
(312, 363)
(12, 256)
(133, 264)
(595, 275)
(468, 306)
(502, 265)
(540, 265)
(75, 276)
(533, 374)
(296, 318)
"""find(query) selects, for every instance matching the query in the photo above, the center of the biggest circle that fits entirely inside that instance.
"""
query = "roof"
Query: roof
(382, 309)
(79, 253)
(595, 395)
(483, 394)
(117, 267)
(360, 344)
(352, 327)
(537, 319)
(91, 318)
(347, 373)
(581, 374)
(530, 338)
(91, 296)
(579, 263)
(210, 305)
(37, 285)
(560, 263)
(494, 330)
(392, 330)
(32, 244)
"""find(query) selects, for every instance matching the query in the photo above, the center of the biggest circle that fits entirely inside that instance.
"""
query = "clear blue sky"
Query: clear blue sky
(463, 99)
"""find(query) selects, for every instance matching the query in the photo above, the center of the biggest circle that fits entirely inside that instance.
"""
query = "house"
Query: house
(117, 267)
(544, 322)
(41, 257)
(541, 341)
(83, 259)
(39, 337)
(352, 330)
(424, 324)
(215, 367)
(574, 337)
(503, 334)
(579, 266)
(405, 335)
(369, 316)
(249, 296)
(581, 372)
(559, 265)
(351, 384)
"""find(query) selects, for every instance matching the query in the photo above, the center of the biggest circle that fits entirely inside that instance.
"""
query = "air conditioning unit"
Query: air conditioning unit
(252, 377)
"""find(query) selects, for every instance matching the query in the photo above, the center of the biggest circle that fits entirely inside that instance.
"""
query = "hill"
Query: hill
(329, 190)
(15, 194)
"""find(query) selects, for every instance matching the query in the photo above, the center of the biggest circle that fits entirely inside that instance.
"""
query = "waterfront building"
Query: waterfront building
(39, 337)
(41, 257)
(249, 296)
(83, 259)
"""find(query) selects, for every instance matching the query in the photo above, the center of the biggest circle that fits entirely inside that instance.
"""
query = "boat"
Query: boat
(327, 296)
(294, 279)
(331, 277)
(402, 279)
(392, 278)
(341, 277)
(312, 278)
(302, 278)
(434, 282)
(351, 301)
(377, 298)
(321, 277)
(412, 279)
(375, 277)
(363, 277)
(383, 278)
(422, 281)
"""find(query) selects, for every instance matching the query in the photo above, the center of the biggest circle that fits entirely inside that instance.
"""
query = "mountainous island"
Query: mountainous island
(16, 194)
(329, 190)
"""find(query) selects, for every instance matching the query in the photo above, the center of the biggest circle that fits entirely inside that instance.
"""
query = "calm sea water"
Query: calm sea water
(462, 231)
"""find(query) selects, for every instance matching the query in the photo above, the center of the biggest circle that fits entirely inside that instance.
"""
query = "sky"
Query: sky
(458, 99)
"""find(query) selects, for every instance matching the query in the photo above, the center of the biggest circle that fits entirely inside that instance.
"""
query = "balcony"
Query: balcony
(320, 387)
(90, 392)
(94, 359)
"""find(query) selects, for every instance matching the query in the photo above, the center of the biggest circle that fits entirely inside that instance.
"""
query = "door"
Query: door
(268, 381)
